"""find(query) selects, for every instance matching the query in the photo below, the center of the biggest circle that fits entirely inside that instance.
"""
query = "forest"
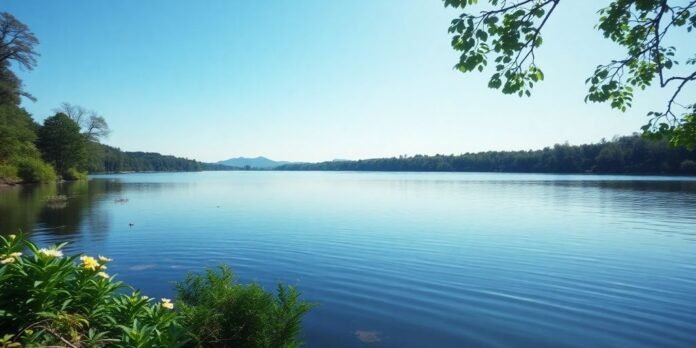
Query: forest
(622, 155)
(107, 159)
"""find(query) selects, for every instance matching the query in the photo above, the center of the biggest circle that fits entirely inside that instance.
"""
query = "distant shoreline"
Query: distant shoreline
(404, 171)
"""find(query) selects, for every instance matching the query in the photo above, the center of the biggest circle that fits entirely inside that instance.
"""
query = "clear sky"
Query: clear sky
(308, 80)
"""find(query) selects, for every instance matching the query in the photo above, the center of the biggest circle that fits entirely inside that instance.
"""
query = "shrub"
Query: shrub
(47, 299)
(74, 174)
(219, 312)
(8, 173)
(35, 170)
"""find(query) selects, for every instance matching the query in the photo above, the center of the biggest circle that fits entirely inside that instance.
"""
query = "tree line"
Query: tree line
(622, 155)
(107, 159)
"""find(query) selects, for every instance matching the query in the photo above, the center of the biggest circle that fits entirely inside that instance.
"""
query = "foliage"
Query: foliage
(20, 160)
(92, 125)
(16, 46)
(8, 173)
(17, 42)
(61, 143)
(35, 170)
(633, 154)
(511, 31)
(17, 133)
(10, 86)
(19, 157)
(222, 313)
(47, 299)
(74, 174)
(103, 158)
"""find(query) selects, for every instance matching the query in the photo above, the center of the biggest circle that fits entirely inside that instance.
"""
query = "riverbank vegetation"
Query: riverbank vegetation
(50, 299)
(622, 155)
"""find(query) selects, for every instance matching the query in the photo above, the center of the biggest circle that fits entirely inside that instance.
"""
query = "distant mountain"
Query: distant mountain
(256, 162)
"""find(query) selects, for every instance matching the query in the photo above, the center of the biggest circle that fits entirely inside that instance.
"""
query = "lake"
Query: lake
(404, 259)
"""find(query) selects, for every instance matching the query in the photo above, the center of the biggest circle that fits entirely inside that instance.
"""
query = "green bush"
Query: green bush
(35, 170)
(219, 312)
(74, 174)
(47, 299)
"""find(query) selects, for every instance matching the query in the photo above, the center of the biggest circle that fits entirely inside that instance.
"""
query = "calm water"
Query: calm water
(406, 260)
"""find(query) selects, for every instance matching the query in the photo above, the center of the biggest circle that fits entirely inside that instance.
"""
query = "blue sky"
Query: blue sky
(308, 80)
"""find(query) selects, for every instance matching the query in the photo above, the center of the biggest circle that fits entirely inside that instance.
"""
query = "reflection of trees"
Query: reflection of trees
(21, 205)
(31, 207)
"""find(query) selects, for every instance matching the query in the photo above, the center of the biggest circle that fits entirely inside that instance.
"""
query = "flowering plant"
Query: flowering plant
(48, 299)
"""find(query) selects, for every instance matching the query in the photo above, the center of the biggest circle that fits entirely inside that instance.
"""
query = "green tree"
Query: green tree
(508, 32)
(61, 143)
(93, 125)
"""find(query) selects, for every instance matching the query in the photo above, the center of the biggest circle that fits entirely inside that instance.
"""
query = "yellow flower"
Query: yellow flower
(12, 236)
(103, 275)
(89, 263)
(104, 259)
(7, 260)
(51, 252)
(167, 303)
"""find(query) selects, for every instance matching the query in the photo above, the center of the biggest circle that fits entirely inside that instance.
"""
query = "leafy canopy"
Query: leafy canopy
(509, 32)
(61, 143)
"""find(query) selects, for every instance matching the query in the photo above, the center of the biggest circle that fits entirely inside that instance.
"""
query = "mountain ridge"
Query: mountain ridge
(259, 162)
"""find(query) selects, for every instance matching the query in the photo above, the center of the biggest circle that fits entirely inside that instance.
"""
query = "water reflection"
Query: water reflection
(60, 209)
(69, 209)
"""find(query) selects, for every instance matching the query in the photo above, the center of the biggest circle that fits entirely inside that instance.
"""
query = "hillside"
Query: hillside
(255, 162)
